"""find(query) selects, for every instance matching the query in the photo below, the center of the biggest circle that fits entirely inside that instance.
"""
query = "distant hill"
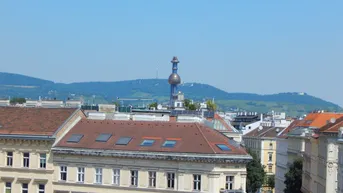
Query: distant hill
(16, 85)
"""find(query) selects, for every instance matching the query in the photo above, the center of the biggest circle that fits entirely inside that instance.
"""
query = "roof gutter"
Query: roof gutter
(28, 137)
(191, 157)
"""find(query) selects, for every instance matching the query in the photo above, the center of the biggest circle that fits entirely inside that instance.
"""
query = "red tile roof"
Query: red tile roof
(314, 120)
(32, 121)
(332, 127)
(191, 137)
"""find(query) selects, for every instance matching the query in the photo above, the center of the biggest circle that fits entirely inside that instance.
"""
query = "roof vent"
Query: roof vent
(332, 120)
(277, 130)
(260, 128)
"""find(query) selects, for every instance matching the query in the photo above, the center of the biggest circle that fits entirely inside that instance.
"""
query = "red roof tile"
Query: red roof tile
(332, 127)
(32, 121)
(191, 137)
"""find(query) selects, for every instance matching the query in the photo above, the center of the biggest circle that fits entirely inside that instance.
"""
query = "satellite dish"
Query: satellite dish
(260, 128)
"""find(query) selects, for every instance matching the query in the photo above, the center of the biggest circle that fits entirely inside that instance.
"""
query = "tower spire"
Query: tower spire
(174, 80)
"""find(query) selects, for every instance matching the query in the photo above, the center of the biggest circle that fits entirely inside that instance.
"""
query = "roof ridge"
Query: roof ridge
(267, 130)
(205, 138)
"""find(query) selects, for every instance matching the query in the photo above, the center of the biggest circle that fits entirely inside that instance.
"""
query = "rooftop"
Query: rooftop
(332, 127)
(149, 136)
(264, 132)
(32, 121)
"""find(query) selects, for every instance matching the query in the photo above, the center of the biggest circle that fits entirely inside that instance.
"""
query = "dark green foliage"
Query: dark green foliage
(271, 181)
(294, 177)
(154, 104)
(192, 107)
(14, 101)
(255, 174)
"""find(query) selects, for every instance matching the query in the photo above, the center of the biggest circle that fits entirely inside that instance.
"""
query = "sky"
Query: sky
(259, 47)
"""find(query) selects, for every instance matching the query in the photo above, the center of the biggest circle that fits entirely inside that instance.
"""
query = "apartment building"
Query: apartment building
(102, 156)
(262, 141)
(340, 161)
(26, 136)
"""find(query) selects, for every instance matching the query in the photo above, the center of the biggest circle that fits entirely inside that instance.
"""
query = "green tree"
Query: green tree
(211, 105)
(192, 107)
(187, 102)
(271, 181)
(14, 101)
(255, 174)
(154, 104)
(293, 178)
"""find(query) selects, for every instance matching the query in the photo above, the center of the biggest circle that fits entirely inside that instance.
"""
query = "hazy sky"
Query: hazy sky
(239, 46)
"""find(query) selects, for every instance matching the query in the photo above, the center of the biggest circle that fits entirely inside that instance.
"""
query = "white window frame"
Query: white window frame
(80, 175)
(229, 183)
(41, 159)
(171, 179)
(64, 170)
(98, 176)
(9, 159)
(8, 188)
(24, 189)
(26, 160)
(152, 179)
(134, 177)
(116, 176)
(41, 190)
(196, 182)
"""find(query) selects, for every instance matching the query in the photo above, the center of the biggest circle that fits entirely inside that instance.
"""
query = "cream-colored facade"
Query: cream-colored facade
(26, 163)
(109, 174)
(265, 148)
(310, 165)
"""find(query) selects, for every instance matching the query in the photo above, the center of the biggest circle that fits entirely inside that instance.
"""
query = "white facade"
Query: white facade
(281, 164)
(340, 162)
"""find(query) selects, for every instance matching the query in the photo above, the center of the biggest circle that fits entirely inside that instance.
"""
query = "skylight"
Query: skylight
(75, 138)
(223, 147)
(169, 143)
(123, 140)
(103, 137)
(147, 142)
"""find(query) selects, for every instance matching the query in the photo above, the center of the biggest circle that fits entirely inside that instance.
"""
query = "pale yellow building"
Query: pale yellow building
(262, 141)
(26, 138)
(102, 156)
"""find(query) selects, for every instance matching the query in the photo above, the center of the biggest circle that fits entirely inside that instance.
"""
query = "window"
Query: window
(75, 138)
(223, 147)
(196, 182)
(134, 177)
(169, 143)
(9, 158)
(116, 177)
(42, 160)
(152, 179)
(41, 188)
(8, 187)
(24, 188)
(270, 157)
(270, 145)
(80, 174)
(270, 169)
(98, 175)
(123, 141)
(148, 142)
(103, 137)
(229, 182)
(26, 160)
(63, 173)
(171, 180)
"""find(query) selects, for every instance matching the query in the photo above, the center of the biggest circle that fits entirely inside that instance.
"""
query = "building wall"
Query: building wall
(213, 176)
(281, 164)
(17, 174)
(340, 167)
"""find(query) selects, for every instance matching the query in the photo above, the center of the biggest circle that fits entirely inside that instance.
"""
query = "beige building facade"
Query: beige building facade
(26, 138)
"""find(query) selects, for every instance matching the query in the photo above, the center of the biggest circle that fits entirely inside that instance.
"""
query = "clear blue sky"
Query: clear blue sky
(239, 46)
